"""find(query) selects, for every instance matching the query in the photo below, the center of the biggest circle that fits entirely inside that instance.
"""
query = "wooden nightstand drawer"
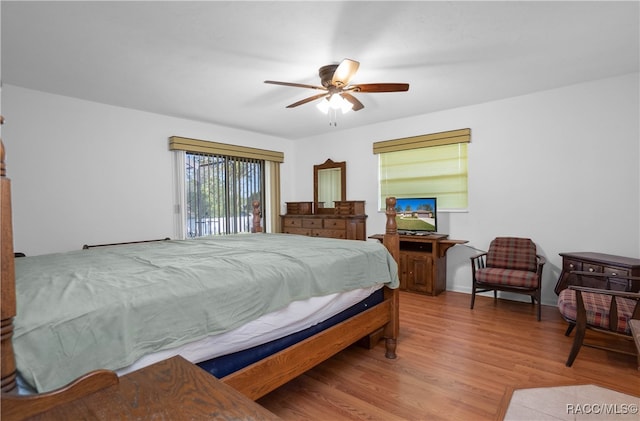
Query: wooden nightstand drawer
(613, 271)
(590, 267)
(570, 265)
(618, 284)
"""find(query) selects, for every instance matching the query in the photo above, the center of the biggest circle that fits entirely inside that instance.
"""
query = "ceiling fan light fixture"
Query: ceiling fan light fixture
(323, 105)
(346, 106)
(337, 102)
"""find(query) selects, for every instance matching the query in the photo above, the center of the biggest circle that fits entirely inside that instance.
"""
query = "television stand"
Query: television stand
(423, 261)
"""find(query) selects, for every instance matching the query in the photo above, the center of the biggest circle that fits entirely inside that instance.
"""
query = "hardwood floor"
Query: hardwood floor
(453, 364)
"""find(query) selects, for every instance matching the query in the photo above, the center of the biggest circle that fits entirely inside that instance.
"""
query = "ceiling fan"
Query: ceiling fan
(335, 80)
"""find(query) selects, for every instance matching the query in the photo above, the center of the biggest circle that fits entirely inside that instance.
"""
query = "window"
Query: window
(216, 185)
(219, 193)
(433, 165)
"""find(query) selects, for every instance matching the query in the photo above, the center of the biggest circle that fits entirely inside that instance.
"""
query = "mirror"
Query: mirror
(329, 184)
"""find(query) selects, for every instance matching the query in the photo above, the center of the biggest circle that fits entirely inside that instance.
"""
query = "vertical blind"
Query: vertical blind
(220, 191)
(220, 183)
(433, 165)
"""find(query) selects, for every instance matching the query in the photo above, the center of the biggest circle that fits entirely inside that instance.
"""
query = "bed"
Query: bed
(255, 378)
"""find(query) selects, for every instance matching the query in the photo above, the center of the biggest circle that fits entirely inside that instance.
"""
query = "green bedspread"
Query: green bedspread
(106, 307)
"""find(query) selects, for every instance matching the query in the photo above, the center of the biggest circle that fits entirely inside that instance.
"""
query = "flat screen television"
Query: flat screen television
(417, 215)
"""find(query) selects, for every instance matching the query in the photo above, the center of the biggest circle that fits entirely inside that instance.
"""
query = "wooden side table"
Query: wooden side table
(423, 262)
(173, 389)
(599, 263)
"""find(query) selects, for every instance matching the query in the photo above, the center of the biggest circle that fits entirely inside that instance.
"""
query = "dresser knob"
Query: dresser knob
(590, 269)
(614, 274)
(571, 265)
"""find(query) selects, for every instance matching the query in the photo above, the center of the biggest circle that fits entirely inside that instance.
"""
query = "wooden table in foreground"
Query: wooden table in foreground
(173, 389)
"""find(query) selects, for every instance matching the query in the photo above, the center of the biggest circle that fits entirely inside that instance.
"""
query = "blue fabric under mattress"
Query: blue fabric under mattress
(227, 364)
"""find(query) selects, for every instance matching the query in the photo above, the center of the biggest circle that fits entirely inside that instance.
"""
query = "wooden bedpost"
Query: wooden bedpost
(7, 280)
(391, 241)
(257, 216)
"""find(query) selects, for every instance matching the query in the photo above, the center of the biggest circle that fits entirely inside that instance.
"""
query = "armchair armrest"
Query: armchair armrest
(477, 256)
(607, 277)
(478, 261)
(611, 292)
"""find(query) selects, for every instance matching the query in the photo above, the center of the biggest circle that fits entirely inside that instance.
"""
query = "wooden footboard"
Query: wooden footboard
(272, 372)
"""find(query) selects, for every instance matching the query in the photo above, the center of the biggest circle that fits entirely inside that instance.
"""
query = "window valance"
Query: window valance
(423, 141)
(177, 143)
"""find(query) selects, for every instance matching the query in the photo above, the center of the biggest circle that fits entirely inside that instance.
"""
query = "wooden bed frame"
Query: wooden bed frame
(253, 381)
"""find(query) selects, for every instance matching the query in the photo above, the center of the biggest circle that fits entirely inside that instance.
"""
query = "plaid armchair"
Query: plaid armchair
(511, 264)
(599, 309)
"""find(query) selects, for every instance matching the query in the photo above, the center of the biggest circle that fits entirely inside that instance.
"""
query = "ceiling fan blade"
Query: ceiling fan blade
(357, 105)
(304, 101)
(344, 72)
(380, 87)
(295, 85)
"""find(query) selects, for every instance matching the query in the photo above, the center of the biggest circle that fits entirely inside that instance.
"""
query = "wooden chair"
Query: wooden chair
(599, 309)
(511, 264)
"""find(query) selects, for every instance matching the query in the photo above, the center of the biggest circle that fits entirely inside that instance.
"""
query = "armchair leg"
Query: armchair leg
(581, 324)
(577, 343)
(569, 329)
(473, 294)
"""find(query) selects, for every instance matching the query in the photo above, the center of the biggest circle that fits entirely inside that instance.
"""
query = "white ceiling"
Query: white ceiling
(207, 60)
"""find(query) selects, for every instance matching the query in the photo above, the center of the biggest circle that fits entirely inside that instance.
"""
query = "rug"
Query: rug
(586, 402)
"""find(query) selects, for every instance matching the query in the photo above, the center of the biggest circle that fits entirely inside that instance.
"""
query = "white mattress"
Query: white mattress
(296, 316)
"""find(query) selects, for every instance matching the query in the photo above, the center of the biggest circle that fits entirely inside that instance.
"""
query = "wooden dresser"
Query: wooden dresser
(598, 263)
(346, 220)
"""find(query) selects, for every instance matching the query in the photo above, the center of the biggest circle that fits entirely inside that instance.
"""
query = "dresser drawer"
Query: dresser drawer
(618, 284)
(591, 267)
(613, 271)
(335, 224)
(291, 223)
(311, 223)
(298, 231)
(569, 265)
(341, 234)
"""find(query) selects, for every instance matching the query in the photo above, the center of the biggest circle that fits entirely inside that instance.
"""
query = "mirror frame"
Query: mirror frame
(329, 164)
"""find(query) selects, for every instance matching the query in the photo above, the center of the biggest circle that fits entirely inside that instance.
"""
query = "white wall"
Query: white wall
(88, 173)
(559, 166)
